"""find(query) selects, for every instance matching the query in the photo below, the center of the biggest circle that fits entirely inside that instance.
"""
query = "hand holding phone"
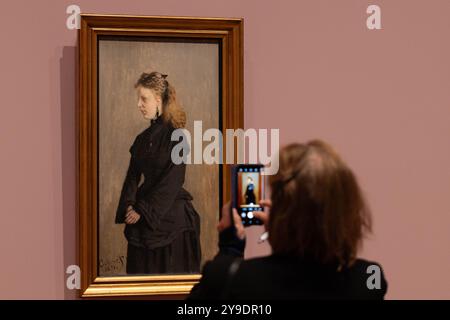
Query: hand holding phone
(229, 217)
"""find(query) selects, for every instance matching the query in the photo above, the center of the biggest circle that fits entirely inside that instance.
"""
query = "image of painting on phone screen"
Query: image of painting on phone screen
(249, 187)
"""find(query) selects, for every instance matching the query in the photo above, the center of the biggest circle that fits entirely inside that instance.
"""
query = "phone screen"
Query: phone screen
(248, 190)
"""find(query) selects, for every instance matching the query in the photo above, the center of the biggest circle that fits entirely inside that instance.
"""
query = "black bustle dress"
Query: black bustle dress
(166, 239)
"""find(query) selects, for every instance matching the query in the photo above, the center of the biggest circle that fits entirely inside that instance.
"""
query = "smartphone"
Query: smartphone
(247, 184)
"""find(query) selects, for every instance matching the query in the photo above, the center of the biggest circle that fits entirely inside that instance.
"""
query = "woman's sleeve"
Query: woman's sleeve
(161, 198)
(129, 189)
(216, 273)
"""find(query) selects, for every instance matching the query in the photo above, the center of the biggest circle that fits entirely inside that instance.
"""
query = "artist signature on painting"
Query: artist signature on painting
(113, 266)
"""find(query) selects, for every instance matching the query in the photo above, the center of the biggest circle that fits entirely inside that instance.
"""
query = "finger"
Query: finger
(256, 214)
(129, 213)
(265, 203)
(261, 215)
(130, 218)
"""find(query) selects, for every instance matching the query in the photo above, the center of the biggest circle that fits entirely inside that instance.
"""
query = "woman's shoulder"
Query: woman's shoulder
(367, 278)
(359, 265)
(367, 267)
(215, 275)
(364, 279)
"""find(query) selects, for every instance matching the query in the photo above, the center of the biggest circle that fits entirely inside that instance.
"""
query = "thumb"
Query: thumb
(263, 216)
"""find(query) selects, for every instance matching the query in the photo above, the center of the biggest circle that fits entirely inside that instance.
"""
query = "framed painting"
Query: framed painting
(147, 223)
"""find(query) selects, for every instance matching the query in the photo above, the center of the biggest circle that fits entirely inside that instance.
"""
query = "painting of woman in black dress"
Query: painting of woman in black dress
(161, 225)
(250, 198)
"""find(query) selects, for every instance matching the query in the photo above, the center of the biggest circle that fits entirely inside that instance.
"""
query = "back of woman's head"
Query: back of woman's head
(318, 210)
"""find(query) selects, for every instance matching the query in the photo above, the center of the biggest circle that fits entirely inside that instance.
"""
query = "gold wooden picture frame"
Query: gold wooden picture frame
(227, 33)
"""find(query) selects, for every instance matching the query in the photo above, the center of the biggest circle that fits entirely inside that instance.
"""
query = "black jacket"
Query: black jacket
(280, 277)
(164, 205)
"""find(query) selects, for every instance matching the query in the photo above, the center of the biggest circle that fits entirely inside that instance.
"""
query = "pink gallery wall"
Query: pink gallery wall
(312, 69)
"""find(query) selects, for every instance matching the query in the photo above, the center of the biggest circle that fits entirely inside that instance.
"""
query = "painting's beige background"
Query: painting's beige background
(193, 70)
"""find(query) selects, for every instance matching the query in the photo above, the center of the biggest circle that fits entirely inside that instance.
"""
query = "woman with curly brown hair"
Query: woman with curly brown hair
(318, 219)
(162, 226)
